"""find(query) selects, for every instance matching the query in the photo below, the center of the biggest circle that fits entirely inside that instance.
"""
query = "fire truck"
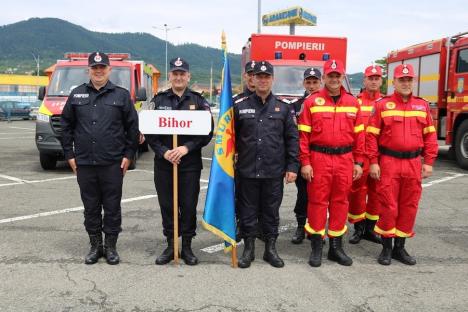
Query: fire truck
(291, 55)
(140, 79)
(441, 67)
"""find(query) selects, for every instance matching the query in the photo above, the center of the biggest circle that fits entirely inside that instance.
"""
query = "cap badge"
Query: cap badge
(252, 65)
(333, 65)
(405, 70)
(178, 62)
(374, 70)
(97, 57)
(263, 68)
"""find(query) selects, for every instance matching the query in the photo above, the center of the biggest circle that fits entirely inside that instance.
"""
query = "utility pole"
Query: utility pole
(37, 60)
(166, 30)
(259, 20)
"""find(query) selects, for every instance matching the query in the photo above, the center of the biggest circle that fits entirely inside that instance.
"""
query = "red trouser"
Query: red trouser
(329, 189)
(362, 189)
(400, 190)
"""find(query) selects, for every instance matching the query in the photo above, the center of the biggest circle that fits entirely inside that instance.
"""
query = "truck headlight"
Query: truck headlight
(42, 118)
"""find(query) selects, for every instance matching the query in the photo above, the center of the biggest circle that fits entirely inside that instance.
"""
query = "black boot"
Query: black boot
(112, 257)
(299, 236)
(336, 252)
(315, 258)
(385, 257)
(358, 232)
(369, 233)
(168, 253)
(248, 255)
(271, 255)
(187, 253)
(399, 252)
(96, 251)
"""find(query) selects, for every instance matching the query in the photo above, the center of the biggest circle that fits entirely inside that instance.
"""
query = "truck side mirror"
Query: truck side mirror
(141, 94)
(41, 93)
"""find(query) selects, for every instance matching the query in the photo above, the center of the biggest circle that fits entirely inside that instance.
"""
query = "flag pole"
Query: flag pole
(176, 204)
(234, 256)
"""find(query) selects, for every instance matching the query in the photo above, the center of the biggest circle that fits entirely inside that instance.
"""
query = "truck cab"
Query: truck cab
(135, 76)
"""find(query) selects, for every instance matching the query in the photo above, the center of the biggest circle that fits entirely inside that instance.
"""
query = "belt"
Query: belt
(402, 155)
(331, 150)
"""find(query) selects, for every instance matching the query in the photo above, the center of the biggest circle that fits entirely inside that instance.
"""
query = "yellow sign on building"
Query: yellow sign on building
(294, 15)
(23, 80)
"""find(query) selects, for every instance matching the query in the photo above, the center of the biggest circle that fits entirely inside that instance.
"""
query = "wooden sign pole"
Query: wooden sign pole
(176, 204)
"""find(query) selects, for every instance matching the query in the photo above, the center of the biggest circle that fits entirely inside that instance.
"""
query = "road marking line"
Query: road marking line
(441, 180)
(31, 129)
(55, 212)
(7, 133)
(219, 247)
(17, 138)
(11, 178)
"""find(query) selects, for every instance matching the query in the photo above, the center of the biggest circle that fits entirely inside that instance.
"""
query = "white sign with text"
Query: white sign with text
(186, 122)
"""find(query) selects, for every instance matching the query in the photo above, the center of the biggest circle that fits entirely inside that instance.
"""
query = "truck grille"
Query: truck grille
(55, 122)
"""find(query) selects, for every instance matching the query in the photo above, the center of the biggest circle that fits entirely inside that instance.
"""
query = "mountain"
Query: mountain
(52, 37)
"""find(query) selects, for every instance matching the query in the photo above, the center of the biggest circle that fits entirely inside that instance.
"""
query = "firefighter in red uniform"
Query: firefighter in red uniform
(364, 215)
(331, 155)
(400, 131)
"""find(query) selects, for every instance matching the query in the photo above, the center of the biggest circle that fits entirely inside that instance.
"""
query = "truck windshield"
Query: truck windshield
(65, 79)
(288, 80)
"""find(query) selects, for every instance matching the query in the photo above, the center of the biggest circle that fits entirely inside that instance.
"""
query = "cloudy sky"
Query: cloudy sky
(373, 28)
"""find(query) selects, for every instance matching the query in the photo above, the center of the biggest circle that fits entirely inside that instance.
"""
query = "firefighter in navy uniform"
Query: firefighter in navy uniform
(188, 157)
(267, 147)
(249, 86)
(99, 138)
(311, 83)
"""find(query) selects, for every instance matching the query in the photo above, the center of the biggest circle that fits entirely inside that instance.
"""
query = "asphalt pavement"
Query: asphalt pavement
(43, 243)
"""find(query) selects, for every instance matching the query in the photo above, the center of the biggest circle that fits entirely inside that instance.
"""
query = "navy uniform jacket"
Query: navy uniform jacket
(267, 139)
(99, 127)
(190, 100)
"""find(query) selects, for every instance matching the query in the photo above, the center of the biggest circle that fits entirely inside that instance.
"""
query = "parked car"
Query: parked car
(14, 110)
(34, 109)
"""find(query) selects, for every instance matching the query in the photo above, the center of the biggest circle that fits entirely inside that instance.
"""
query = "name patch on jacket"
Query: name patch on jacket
(81, 95)
(164, 108)
(247, 111)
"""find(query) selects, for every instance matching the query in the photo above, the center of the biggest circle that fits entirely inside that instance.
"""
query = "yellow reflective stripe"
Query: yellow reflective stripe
(304, 128)
(359, 128)
(373, 130)
(311, 231)
(356, 217)
(403, 234)
(367, 108)
(333, 109)
(337, 233)
(385, 233)
(390, 113)
(322, 109)
(429, 77)
(44, 110)
(429, 129)
(372, 217)
(346, 109)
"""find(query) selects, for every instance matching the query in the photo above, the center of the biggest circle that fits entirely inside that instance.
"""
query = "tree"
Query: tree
(383, 63)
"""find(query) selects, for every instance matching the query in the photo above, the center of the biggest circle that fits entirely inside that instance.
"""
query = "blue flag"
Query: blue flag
(219, 214)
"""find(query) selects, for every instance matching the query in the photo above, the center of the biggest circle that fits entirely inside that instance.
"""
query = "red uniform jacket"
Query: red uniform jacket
(324, 123)
(401, 127)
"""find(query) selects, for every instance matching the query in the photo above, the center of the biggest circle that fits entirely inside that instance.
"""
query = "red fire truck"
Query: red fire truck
(140, 79)
(291, 55)
(441, 67)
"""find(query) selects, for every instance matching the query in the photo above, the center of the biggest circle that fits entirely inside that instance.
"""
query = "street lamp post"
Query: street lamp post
(166, 30)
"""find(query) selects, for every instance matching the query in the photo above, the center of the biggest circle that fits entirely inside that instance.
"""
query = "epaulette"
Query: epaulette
(196, 93)
(162, 92)
(285, 101)
(293, 101)
(420, 98)
(241, 99)
(235, 95)
(381, 98)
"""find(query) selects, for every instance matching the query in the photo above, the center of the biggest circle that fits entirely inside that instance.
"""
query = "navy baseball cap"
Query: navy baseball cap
(263, 67)
(178, 63)
(249, 66)
(312, 72)
(98, 58)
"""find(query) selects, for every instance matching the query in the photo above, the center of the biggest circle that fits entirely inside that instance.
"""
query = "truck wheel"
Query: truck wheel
(48, 162)
(461, 145)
